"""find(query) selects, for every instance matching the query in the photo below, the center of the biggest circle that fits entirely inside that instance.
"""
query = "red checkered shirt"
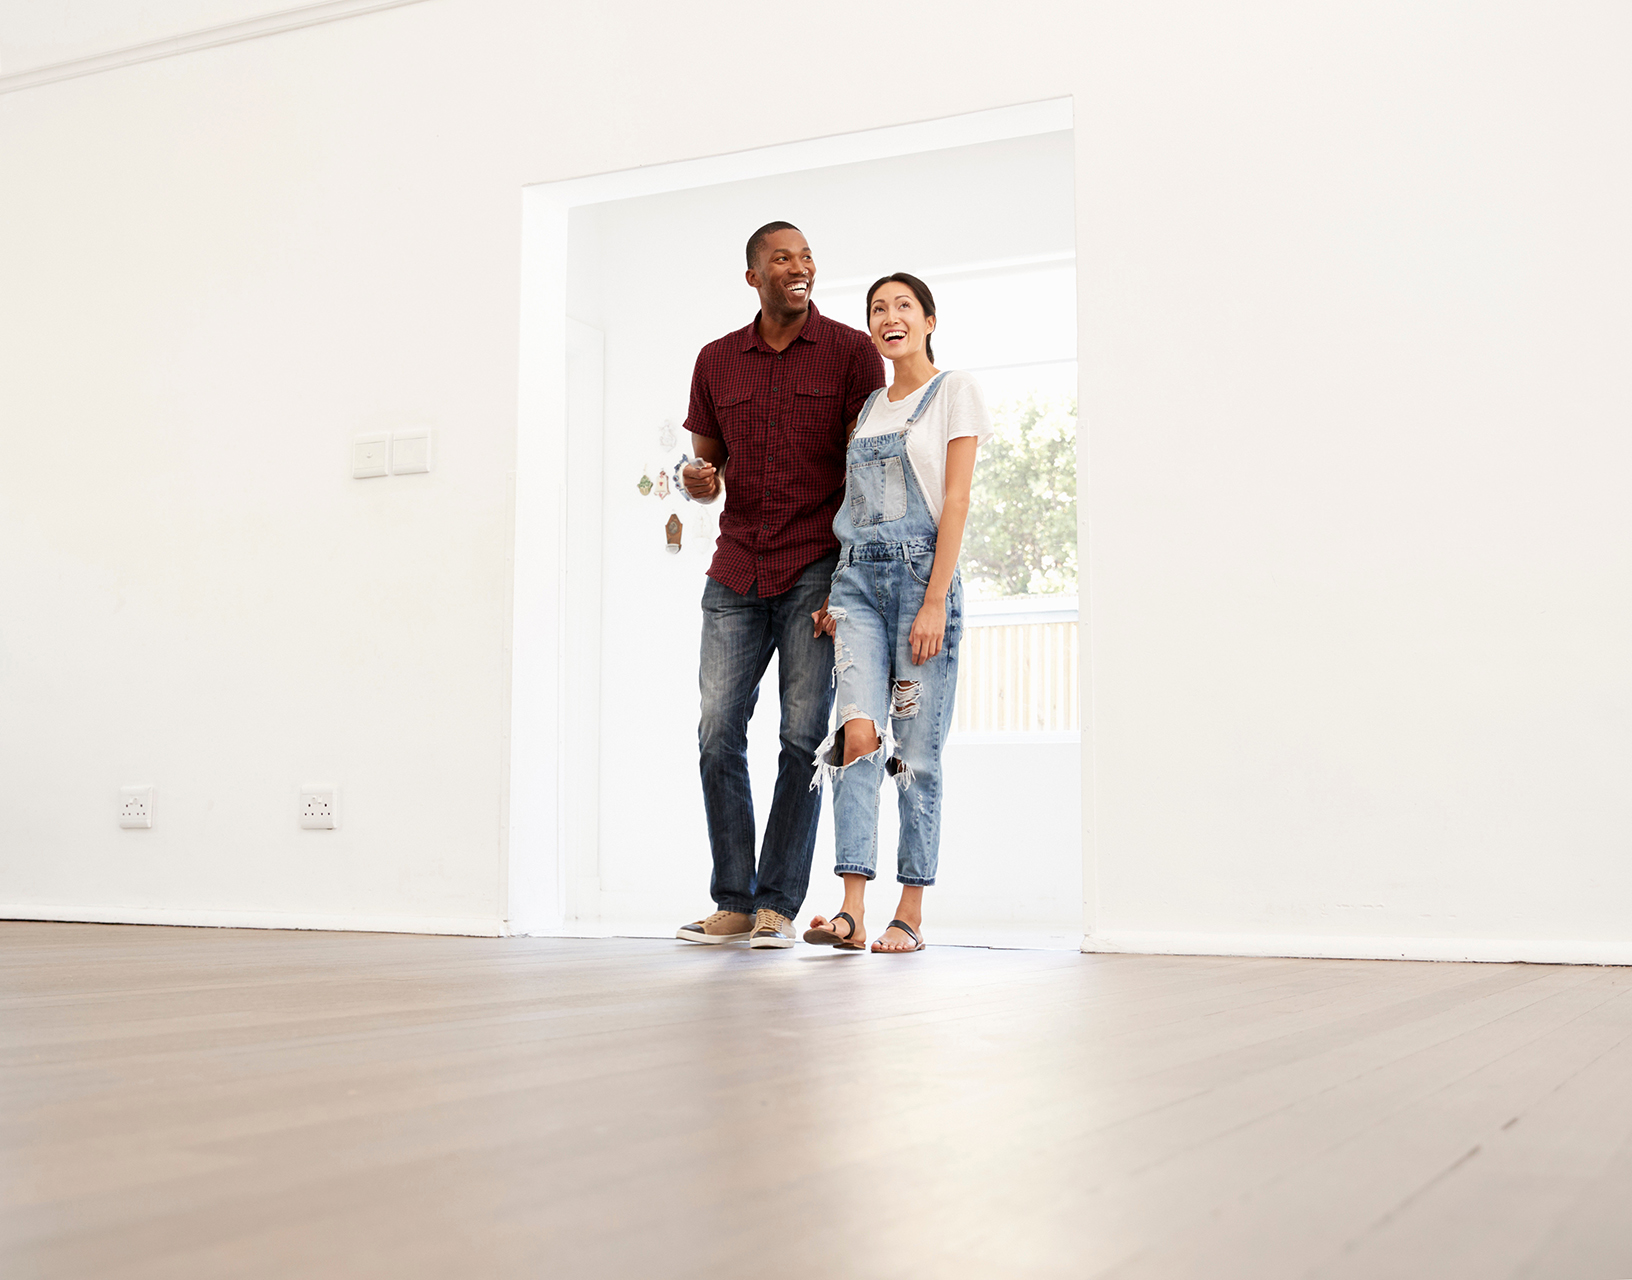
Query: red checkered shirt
(783, 417)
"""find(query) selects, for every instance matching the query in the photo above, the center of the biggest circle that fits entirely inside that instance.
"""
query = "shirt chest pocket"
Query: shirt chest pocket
(878, 492)
(818, 407)
(733, 409)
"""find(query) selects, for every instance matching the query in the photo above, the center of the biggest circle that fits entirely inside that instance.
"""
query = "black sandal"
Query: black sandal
(880, 950)
(827, 938)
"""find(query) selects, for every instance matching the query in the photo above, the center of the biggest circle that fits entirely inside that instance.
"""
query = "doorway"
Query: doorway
(625, 283)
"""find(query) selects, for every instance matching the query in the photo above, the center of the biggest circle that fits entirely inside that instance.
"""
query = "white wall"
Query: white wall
(1353, 329)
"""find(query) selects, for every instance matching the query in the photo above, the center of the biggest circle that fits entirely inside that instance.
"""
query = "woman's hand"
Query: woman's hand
(825, 622)
(927, 630)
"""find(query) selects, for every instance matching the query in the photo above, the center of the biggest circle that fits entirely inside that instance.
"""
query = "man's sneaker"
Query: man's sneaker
(722, 926)
(771, 930)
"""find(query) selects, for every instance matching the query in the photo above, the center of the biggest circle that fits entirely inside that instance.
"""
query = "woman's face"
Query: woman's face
(896, 321)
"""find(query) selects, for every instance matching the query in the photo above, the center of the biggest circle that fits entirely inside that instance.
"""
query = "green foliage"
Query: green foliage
(1022, 533)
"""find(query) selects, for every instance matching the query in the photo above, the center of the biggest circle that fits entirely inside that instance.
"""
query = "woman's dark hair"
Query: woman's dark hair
(920, 290)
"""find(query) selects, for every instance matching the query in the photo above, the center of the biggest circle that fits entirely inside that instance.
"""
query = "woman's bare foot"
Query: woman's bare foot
(910, 912)
(855, 894)
(841, 929)
(896, 939)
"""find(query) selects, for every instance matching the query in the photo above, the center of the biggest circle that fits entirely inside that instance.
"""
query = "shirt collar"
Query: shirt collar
(811, 331)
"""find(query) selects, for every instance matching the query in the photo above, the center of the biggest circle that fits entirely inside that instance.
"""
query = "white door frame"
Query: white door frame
(542, 723)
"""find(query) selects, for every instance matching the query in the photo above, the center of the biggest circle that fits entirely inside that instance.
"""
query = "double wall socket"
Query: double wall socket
(319, 808)
(135, 806)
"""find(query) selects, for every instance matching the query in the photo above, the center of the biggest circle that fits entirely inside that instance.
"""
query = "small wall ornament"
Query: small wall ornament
(671, 530)
(645, 484)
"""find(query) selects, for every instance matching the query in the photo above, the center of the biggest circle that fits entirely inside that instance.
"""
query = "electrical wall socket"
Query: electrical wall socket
(135, 806)
(319, 808)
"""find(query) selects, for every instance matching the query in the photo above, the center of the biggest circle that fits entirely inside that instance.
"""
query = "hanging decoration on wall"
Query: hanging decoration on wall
(665, 437)
(679, 480)
(672, 531)
(645, 485)
(662, 484)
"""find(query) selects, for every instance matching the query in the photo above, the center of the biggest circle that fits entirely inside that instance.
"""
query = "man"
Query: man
(771, 409)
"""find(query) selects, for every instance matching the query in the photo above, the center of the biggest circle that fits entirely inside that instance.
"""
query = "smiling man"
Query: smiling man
(771, 409)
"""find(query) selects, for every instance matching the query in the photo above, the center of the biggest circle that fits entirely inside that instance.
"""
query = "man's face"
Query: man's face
(785, 275)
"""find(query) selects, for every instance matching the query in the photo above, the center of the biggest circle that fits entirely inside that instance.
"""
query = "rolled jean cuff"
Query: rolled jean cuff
(918, 881)
(854, 869)
(735, 905)
(780, 907)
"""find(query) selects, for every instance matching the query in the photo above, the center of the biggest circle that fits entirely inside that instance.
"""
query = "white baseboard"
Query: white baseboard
(1363, 947)
(470, 926)
(997, 938)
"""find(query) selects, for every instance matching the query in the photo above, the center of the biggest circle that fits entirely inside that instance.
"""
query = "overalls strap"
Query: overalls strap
(923, 401)
(929, 394)
(867, 408)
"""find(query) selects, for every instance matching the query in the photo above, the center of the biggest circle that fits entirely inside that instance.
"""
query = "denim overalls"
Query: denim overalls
(886, 539)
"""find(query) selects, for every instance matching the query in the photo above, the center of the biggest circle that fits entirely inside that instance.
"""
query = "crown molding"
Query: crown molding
(271, 24)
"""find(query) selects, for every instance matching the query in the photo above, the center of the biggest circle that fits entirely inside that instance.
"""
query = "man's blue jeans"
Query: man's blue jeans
(739, 635)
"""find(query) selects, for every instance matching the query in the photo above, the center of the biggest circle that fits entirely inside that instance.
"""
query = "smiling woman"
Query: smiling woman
(897, 610)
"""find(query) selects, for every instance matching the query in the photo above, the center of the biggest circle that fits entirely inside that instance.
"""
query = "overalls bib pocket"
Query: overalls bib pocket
(878, 492)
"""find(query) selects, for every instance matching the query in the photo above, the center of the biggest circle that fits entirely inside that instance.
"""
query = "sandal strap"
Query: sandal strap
(905, 928)
(848, 919)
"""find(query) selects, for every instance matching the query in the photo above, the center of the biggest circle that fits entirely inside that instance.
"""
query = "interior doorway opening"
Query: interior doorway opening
(607, 834)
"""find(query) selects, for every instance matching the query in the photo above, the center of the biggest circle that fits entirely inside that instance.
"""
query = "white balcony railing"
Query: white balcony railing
(1017, 668)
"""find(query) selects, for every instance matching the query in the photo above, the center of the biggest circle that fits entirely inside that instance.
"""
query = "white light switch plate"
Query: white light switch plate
(371, 455)
(135, 807)
(410, 452)
(319, 808)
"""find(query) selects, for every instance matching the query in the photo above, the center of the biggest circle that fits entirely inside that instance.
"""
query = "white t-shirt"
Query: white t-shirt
(958, 409)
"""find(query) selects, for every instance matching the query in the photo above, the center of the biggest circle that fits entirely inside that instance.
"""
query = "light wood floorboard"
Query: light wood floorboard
(228, 1103)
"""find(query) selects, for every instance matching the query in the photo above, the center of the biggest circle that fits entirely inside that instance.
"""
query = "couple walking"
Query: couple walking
(845, 503)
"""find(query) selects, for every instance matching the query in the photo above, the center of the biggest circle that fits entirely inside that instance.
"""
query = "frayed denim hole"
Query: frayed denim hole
(904, 699)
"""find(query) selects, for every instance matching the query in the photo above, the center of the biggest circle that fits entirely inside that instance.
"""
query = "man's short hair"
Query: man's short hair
(756, 242)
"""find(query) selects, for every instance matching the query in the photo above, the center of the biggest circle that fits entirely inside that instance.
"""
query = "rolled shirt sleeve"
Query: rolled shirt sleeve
(700, 417)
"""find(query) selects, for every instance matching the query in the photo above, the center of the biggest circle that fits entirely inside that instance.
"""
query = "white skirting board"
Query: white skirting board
(997, 938)
(1363, 947)
(470, 926)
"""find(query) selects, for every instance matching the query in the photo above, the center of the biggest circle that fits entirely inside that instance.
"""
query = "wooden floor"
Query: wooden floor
(220, 1103)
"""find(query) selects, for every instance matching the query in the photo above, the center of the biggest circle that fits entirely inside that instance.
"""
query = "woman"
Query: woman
(896, 611)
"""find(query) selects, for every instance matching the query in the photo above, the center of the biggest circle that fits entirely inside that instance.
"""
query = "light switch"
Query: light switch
(370, 456)
(410, 452)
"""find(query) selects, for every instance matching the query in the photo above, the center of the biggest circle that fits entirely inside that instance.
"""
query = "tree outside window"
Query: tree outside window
(1021, 538)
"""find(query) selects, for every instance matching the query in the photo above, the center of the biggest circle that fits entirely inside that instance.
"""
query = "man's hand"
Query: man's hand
(702, 481)
(826, 623)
